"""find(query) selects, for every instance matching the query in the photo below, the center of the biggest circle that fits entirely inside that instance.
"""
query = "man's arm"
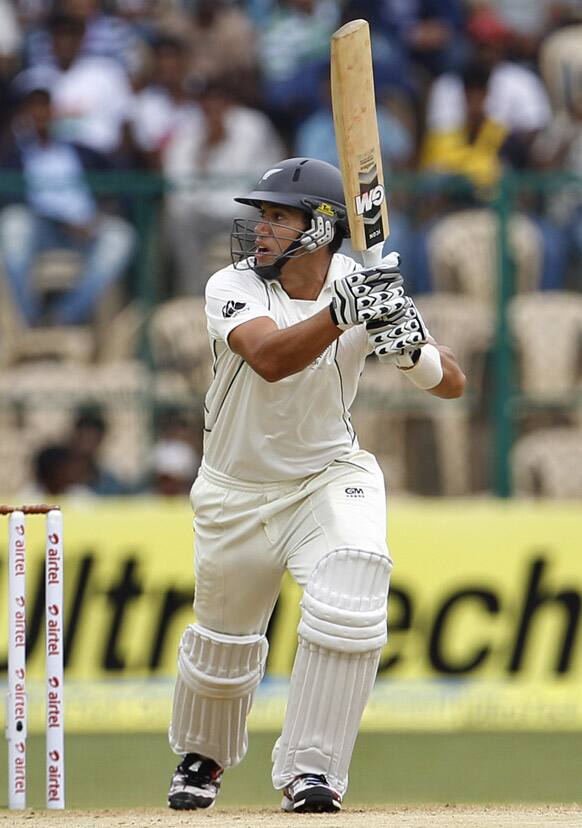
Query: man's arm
(275, 353)
(361, 295)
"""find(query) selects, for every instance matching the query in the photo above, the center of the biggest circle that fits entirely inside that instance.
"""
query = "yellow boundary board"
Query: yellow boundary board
(485, 614)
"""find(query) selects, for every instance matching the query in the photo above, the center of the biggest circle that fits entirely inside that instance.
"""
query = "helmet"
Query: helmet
(305, 183)
(310, 185)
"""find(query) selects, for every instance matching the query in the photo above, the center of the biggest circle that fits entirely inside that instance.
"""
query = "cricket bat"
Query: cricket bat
(358, 143)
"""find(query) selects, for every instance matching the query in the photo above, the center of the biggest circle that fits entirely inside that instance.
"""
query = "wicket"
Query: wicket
(16, 707)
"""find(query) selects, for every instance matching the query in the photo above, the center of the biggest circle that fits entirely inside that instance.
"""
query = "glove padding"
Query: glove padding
(368, 294)
(396, 338)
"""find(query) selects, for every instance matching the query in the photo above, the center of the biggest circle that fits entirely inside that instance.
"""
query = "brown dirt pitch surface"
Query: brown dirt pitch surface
(373, 817)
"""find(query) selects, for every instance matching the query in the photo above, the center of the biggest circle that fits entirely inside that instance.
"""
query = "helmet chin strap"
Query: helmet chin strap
(318, 234)
(273, 271)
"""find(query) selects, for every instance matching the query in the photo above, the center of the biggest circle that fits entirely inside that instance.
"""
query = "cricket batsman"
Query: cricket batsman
(284, 485)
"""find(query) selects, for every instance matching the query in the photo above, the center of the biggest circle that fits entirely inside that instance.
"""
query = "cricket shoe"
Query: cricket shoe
(195, 783)
(311, 793)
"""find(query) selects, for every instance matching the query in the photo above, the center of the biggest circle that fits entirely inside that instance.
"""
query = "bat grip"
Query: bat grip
(374, 255)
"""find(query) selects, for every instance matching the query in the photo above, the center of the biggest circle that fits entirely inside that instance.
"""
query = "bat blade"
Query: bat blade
(357, 139)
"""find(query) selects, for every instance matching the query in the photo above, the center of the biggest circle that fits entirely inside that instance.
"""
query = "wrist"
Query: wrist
(342, 326)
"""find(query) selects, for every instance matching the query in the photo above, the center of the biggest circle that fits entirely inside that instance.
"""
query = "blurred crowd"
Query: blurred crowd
(206, 94)
(207, 91)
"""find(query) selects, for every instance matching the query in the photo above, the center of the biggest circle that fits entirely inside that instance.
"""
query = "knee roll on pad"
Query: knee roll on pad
(221, 666)
(344, 603)
(217, 677)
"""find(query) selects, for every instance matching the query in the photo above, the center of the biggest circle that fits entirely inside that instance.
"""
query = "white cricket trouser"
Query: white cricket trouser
(247, 534)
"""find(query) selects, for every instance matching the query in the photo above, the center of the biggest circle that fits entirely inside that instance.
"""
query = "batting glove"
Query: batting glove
(396, 338)
(368, 294)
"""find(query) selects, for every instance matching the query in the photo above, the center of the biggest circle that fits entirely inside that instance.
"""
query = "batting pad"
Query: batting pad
(341, 634)
(217, 677)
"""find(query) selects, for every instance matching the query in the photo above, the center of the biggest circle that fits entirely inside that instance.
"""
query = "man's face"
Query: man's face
(83, 9)
(66, 45)
(171, 65)
(476, 98)
(36, 111)
(275, 230)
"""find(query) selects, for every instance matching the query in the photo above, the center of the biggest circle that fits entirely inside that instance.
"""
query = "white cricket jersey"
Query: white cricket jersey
(266, 432)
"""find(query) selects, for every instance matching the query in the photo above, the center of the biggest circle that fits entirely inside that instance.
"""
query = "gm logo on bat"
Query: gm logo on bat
(372, 198)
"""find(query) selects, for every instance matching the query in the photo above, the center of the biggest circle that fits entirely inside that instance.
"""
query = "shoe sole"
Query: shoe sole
(316, 802)
(317, 805)
(187, 802)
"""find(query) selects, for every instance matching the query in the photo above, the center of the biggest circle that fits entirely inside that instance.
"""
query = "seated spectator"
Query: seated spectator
(54, 475)
(222, 43)
(174, 465)
(85, 443)
(103, 35)
(207, 152)
(474, 152)
(528, 23)
(516, 97)
(471, 149)
(293, 44)
(559, 147)
(165, 103)
(10, 44)
(10, 39)
(58, 211)
(92, 98)
(425, 35)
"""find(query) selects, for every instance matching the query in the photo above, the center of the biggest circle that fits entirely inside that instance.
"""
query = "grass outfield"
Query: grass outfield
(132, 770)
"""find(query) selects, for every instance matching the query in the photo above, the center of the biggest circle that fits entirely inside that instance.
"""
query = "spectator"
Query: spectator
(559, 147)
(516, 98)
(59, 211)
(165, 103)
(293, 45)
(85, 443)
(103, 36)
(214, 146)
(426, 35)
(10, 38)
(55, 474)
(10, 43)
(222, 43)
(175, 464)
(528, 23)
(472, 149)
(92, 98)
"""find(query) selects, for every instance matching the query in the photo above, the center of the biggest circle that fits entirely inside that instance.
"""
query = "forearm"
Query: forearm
(287, 351)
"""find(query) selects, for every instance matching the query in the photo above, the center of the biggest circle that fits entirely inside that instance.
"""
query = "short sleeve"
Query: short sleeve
(233, 298)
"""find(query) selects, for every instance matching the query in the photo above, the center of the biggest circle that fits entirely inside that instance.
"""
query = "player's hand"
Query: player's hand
(396, 338)
(368, 294)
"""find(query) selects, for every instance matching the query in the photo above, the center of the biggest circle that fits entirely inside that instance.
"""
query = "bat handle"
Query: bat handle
(374, 255)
